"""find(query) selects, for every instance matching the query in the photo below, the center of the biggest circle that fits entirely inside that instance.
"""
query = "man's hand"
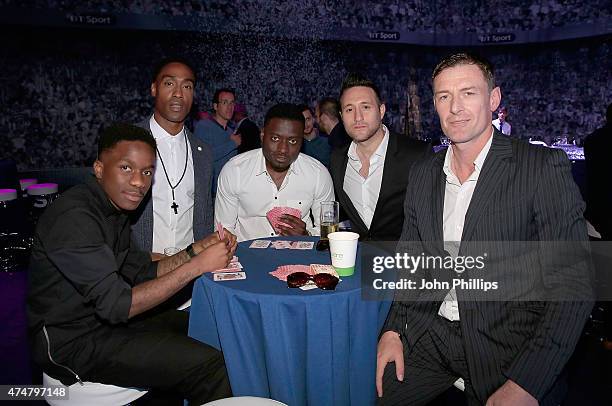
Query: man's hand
(215, 256)
(205, 242)
(511, 394)
(296, 225)
(230, 240)
(390, 349)
(237, 138)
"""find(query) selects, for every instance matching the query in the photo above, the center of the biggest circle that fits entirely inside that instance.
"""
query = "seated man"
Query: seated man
(93, 296)
(275, 175)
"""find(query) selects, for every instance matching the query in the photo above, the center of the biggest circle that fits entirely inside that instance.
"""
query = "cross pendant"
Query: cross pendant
(174, 207)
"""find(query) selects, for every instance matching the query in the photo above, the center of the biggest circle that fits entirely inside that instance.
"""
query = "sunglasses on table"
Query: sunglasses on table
(323, 281)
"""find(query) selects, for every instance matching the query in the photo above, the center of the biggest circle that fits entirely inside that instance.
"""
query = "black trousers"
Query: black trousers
(434, 363)
(431, 366)
(153, 351)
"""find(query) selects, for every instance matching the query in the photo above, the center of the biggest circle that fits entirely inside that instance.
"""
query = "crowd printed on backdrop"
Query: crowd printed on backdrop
(413, 263)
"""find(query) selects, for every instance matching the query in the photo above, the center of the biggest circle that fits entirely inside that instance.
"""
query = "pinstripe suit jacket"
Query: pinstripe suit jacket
(142, 219)
(524, 193)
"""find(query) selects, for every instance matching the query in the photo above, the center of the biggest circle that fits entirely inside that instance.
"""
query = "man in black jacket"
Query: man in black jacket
(370, 174)
(514, 207)
(92, 296)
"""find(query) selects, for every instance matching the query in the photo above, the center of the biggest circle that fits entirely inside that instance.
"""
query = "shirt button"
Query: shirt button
(275, 197)
(272, 234)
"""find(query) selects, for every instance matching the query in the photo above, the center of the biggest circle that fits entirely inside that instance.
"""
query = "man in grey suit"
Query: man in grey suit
(487, 189)
(178, 210)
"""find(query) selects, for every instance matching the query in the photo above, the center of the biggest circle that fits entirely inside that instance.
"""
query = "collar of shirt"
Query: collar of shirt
(160, 134)
(108, 209)
(261, 166)
(478, 162)
(377, 156)
(214, 120)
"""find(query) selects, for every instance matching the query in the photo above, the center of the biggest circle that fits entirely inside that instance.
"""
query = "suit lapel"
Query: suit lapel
(343, 197)
(493, 170)
(390, 167)
(147, 221)
(439, 187)
(195, 151)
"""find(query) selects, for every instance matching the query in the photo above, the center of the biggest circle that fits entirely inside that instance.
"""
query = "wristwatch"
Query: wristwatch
(190, 251)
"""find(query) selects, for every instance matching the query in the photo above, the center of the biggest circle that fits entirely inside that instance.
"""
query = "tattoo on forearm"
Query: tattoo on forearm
(169, 264)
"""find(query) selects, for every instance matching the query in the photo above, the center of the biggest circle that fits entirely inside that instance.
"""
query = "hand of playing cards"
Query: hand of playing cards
(275, 214)
(234, 271)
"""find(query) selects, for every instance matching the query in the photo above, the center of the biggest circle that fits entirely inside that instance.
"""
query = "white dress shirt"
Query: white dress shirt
(457, 198)
(170, 229)
(364, 192)
(505, 129)
(246, 192)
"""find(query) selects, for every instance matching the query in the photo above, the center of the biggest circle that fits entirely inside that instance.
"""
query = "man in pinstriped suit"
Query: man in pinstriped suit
(486, 187)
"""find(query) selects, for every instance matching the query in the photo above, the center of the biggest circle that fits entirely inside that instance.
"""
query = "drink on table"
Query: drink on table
(329, 222)
(327, 228)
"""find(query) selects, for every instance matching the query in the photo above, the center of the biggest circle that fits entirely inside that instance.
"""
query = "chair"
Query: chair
(245, 401)
(93, 394)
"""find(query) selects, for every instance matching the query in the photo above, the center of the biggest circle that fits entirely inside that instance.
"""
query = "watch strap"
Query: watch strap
(190, 251)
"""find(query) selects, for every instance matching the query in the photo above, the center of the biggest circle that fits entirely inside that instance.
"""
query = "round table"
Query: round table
(311, 347)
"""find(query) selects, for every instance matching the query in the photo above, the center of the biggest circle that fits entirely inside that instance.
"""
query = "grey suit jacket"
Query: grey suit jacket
(142, 218)
(524, 193)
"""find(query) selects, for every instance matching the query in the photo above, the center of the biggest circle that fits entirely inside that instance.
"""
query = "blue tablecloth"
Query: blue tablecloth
(300, 347)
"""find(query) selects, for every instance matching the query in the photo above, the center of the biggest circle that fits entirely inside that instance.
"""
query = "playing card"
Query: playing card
(281, 244)
(302, 245)
(219, 229)
(231, 267)
(229, 276)
(260, 244)
(309, 286)
(276, 213)
(234, 259)
(321, 268)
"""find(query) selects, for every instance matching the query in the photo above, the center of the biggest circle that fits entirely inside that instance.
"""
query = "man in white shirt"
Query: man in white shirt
(370, 173)
(500, 122)
(275, 175)
(178, 211)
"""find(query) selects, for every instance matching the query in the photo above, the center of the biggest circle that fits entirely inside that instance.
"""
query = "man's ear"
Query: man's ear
(261, 134)
(153, 89)
(495, 99)
(383, 110)
(98, 168)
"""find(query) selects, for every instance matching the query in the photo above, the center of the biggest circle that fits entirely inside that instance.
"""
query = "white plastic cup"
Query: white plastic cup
(343, 250)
